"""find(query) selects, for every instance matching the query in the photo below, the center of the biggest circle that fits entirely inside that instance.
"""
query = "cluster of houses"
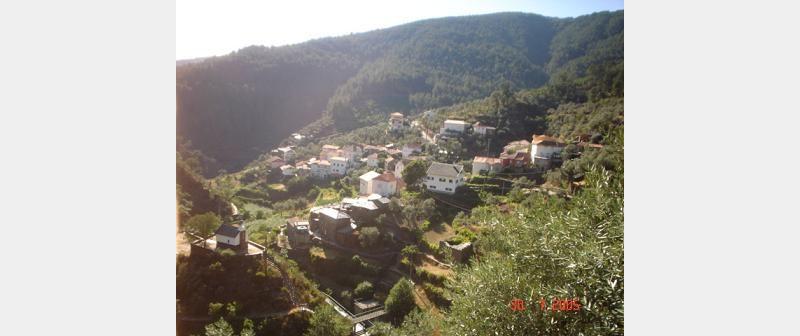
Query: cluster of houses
(542, 152)
(336, 223)
(454, 127)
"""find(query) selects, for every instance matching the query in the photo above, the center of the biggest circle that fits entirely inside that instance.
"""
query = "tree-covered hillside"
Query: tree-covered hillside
(234, 107)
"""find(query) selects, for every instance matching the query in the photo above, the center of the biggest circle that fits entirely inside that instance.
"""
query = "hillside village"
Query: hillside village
(367, 223)
(413, 191)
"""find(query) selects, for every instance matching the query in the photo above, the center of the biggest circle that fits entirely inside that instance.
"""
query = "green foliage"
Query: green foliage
(410, 251)
(219, 328)
(417, 323)
(368, 236)
(247, 328)
(184, 202)
(358, 79)
(205, 224)
(291, 204)
(552, 248)
(364, 290)
(346, 299)
(326, 322)
(430, 277)
(231, 308)
(297, 185)
(415, 171)
(215, 308)
(400, 301)
(572, 119)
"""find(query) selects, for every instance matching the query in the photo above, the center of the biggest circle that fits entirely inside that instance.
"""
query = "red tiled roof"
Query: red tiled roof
(484, 159)
(386, 177)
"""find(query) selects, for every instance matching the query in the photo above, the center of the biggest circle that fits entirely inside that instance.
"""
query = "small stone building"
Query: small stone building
(460, 252)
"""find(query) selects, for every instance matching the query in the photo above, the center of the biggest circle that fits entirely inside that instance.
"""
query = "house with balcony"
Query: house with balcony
(546, 151)
(444, 177)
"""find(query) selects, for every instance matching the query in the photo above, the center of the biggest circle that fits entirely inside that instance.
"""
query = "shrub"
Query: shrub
(313, 193)
(364, 290)
(400, 301)
(215, 308)
(368, 236)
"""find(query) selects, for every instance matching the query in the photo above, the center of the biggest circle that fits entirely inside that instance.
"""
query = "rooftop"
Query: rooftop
(330, 147)
(484, 159)
(333, 213)
(227, 230)
(386, 177)
(369, 175)
(461, 246)
(454, 121)
(546, 140)
(445, 169)
(518, 143)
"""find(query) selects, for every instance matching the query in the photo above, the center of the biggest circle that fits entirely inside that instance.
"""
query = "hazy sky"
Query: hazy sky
(208, 28)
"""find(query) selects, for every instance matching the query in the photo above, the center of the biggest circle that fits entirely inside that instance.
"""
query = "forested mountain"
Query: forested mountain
(235, 107)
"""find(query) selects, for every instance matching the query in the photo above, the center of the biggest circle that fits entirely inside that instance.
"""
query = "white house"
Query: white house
(483, 165)
(287, 153)
(482, 129)
(384, 185)
(338, 165)
(545, 148)
(365, 182)
(373, 183)
(410, 149)
(231, 236)
(396, 121)
(453, 126)
(319, 168)
(287, 170)
(372, 160)
(444, 177)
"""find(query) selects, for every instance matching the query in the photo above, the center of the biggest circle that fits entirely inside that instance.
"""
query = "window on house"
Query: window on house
(448, 189)
(450, 181)
(432, 186)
